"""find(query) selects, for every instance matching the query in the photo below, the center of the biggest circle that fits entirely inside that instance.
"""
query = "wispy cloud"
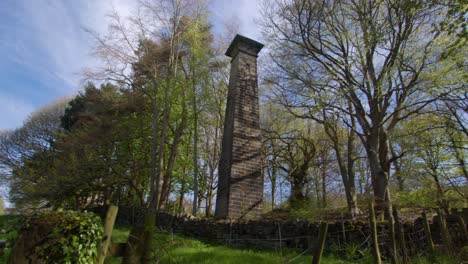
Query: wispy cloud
(44, 49)
(243, 12)
(48, 36)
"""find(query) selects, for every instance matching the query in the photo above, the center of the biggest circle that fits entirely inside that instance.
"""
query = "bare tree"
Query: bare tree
(369, 54)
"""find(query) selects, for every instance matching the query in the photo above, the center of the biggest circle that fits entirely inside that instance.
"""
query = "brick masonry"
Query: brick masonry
(240, 184)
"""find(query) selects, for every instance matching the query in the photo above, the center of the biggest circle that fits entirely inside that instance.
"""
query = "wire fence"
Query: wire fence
(293, 240)
(347, 239)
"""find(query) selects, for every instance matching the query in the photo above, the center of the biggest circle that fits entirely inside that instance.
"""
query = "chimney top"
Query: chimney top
(245, 44)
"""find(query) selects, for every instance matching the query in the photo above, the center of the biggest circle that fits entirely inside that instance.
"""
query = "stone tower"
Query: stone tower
(240, 183)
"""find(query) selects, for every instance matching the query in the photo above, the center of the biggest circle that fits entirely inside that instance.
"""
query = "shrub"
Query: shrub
(424, 197)
(62, 237)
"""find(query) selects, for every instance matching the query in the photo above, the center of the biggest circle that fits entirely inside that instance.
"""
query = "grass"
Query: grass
(173, 249)
(436, 259)
(178, 249)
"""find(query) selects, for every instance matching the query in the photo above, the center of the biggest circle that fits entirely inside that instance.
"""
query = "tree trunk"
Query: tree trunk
(150, 221)
(273, 187)
(182, 192)
(154, 151)
(398, 173)
(297, 198)
(208, 203)
(324, 183)
(195, 149)
(443, 203)
(172, 157)
(379, 181)
(209, 194)
(346, 170)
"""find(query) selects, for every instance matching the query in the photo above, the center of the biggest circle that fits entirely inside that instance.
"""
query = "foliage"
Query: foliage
(429, 166)
(25, 153)
(427, 197)
(74, 237)
(424, 197)
(2, 207)
(434, 259)
(355, 93)
(352, 252)
(327, 65)
(111, 140)
(9, 225)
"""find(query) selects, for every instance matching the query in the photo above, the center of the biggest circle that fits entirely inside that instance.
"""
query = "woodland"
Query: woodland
(361, 100)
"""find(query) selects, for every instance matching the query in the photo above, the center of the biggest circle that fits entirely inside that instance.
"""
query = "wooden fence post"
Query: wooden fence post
(373, 227)
(427, 233)
(321, 243)
(462, 225)
(444, 232)
(400, 232)
(343, 228)
(108, 227)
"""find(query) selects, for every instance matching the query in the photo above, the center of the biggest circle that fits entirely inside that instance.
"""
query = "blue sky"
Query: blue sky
(43, 47)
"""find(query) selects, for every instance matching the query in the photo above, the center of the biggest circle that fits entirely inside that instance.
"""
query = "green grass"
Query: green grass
(436, 259)
(177, 249)
(173, 249)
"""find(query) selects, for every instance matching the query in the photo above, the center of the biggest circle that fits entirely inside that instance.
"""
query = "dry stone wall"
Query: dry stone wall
(300, 235)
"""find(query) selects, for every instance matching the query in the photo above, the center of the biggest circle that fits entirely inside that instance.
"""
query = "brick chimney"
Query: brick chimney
(240, 183)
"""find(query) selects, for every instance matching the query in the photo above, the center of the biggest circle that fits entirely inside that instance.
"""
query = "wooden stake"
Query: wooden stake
(321, 243)
(444, 231)
(462, 225)
(135, 247)
(427, 233)
(373, 227)
(108, 227)
(401, 243)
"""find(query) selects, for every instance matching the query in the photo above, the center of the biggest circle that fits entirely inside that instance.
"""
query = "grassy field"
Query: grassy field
(177, 249)
(173, 249)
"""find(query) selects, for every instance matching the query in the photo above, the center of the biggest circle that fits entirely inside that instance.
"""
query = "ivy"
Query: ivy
(74, 237)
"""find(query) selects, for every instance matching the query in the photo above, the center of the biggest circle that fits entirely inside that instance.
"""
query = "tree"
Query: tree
(344, 145)
(293, 152)
(31, 142)
(369, 55)
(165, 46)
(425, 143)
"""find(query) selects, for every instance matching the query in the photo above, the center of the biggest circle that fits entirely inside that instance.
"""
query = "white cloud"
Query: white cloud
(44, 43)
(49, 36)
(242, 11)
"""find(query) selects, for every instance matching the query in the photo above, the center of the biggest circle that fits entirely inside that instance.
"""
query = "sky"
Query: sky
(44, 47)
